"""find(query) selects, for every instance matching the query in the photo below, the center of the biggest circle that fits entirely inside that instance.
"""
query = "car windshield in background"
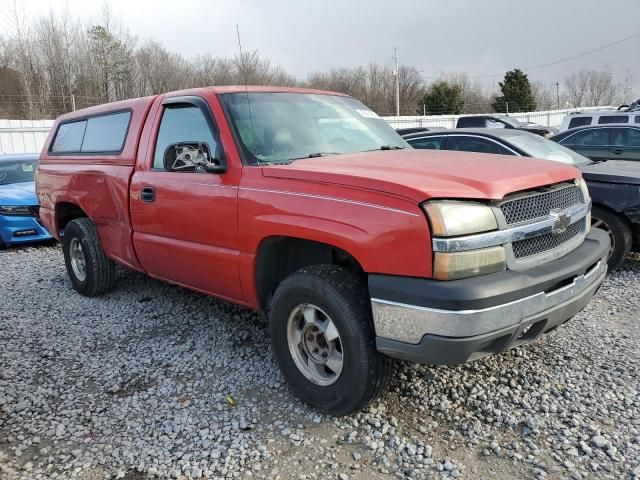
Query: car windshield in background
(282, 127)
(17, 171)
(540, 147)
(511, 121)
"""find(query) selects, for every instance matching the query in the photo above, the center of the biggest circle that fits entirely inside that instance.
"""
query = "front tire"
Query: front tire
(91, 272)
(619, 233)
(323, 338)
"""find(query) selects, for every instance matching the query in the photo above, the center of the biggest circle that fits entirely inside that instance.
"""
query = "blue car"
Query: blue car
(19, 221)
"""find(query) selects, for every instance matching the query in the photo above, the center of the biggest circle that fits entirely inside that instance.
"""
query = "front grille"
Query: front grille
(548, 242)
(536, 206)
(35, 211)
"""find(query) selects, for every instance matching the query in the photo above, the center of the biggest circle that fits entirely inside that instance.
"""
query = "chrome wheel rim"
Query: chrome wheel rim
(78, 263)
(314, 344)
(599, 223)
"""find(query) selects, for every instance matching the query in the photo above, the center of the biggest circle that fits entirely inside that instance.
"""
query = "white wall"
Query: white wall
(23, 136)
(550, 118)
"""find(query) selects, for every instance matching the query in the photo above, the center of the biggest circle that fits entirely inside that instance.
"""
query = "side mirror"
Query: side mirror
(191, 157)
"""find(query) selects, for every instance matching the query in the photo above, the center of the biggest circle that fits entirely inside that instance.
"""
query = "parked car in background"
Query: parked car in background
(19, 210)
(503, 121)
(308, 206)
(413, 130)
(607, 142)
(604, 117)
(614, 185)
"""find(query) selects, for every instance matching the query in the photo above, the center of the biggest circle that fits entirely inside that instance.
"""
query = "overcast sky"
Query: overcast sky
(479, 37)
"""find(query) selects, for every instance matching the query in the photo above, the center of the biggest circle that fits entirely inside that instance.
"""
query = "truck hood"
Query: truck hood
(18, 194)
(422, 174)
(613, 171)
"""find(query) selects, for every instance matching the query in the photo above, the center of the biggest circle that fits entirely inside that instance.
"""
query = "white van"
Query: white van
(603, 117)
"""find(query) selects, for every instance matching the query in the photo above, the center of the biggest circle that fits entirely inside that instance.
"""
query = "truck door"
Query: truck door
(185, 222)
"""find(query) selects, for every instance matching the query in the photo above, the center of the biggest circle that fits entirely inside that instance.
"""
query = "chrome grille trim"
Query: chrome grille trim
(508, 235)
(544, 243)
(532, 206)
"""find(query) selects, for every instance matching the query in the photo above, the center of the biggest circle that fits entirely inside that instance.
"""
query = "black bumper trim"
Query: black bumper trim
(438, 350)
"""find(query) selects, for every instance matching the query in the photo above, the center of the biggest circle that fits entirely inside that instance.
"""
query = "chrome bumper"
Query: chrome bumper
(410, 323)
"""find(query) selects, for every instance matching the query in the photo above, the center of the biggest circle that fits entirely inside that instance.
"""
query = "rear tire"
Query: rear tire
(91, 272)
(619, 232)
(338, 298)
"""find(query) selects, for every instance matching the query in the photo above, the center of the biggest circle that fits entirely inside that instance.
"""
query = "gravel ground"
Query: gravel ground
(153, 381)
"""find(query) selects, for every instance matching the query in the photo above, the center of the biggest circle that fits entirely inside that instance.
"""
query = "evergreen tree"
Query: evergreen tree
(516, 94)
(442, 98)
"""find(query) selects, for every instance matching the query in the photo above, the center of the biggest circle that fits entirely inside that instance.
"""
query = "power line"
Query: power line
(563, 60)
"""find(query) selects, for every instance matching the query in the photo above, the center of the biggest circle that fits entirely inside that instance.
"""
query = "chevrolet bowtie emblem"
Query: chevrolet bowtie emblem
(560, 221)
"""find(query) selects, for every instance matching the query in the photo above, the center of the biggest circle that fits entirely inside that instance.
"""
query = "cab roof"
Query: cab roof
(145, 102)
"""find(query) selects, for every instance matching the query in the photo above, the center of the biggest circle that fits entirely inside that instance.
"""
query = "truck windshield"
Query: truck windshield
(282, 127)
(17, 171)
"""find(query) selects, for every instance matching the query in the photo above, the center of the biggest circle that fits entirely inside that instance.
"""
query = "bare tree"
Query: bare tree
(476, 100)
(545, 95)
(576, 86)
(600, 87)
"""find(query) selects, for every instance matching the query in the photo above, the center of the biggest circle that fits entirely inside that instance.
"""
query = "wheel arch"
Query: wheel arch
(279, 255)
(65, 212)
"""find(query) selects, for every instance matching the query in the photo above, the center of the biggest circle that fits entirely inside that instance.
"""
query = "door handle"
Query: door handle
(148, 194)
(617, 151)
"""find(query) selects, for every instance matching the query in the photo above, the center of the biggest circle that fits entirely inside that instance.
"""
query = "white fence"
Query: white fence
(28, 136)
(23, 136)
(549, 118)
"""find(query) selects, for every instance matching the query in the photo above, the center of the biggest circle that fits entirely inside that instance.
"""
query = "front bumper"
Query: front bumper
(19, 229)
(435, 322)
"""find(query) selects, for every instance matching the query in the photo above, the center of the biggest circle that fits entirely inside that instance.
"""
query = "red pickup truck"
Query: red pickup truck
(306, 205)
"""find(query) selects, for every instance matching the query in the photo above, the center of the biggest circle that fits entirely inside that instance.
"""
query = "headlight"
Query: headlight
(459, 218)
(453, 266)
(449, 218)
(9, 210)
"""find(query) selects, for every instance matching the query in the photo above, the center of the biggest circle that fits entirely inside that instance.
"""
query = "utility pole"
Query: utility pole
(73, 102)
(558, 94)
(628, 89)
(396, 72)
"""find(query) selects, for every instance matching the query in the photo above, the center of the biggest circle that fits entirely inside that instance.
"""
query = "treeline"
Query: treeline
(53, 64)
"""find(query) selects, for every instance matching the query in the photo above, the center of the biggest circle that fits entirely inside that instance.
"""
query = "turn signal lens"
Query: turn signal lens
(449, 218)
(457, 265)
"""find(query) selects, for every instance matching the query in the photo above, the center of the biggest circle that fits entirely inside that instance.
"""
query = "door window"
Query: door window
(428, 143)
(613, 119)
(181, 124)
(634, 137)
(625, 137)
(480, 145)
(579, 122)
(588, 138)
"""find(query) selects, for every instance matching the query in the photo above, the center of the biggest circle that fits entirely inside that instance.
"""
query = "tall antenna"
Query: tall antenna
(246, 88)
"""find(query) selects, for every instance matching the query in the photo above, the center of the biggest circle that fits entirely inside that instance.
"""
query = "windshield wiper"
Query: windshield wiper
(387, 147)
(316, 155)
